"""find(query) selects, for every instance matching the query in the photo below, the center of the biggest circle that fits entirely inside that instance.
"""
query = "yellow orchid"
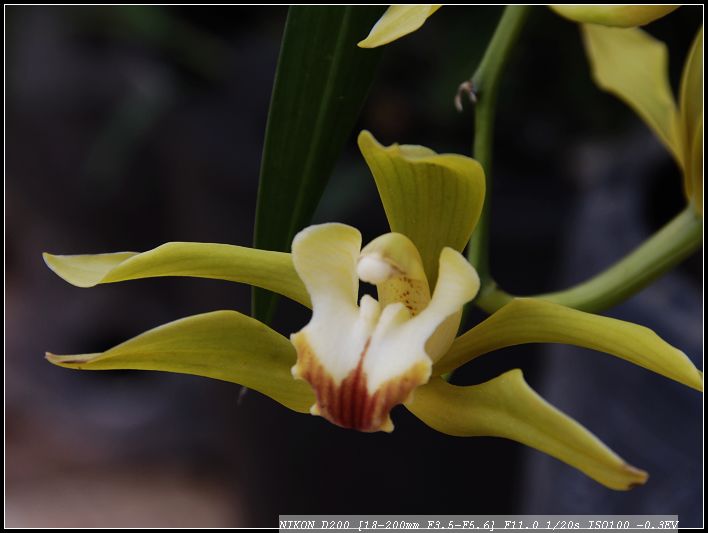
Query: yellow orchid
(634, 66)
(625, 61)
(399, 21)
(355, 362)
(621, 16)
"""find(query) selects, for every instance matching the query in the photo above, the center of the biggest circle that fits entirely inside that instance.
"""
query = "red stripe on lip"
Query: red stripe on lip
(349, 404)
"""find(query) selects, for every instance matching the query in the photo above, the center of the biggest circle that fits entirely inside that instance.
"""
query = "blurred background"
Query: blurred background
(128, 127)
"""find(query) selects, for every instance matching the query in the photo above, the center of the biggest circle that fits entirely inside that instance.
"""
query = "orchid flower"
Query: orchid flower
(398, 21)
(625, 61)
(354, 362)
(621, 16)
(634, 66)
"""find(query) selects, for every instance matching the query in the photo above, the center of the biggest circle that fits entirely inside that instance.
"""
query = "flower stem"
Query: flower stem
(658, 254)
(485, 84)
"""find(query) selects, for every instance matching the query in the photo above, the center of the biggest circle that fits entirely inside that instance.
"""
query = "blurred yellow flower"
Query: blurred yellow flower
(633, 65)
(622, 16)
(399, 21)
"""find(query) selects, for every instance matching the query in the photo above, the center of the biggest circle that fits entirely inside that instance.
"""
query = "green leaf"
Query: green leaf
(528, 320)
(223, 345)
(273, 271)
(507, 407)
(320, 86)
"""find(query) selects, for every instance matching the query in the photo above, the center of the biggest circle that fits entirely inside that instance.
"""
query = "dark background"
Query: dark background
(130, 127)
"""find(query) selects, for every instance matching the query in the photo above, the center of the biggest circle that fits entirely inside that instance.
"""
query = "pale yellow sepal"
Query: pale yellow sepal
(691, 112)
(363, 360)
(633, 65)
(507, 407)
(223, 345)
(433, 199)
(273, 271)
(623, 16)
(397, 22)
(528, 320)
(695, 177)
(691, 91)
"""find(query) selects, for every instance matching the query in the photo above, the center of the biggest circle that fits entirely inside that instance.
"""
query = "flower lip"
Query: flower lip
(362, 360)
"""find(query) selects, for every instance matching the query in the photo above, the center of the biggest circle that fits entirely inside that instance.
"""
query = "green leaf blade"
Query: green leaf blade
(321, 84)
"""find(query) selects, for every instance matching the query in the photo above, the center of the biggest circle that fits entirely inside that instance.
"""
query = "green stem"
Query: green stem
(485, 83)
(485, 86)
(660, 253)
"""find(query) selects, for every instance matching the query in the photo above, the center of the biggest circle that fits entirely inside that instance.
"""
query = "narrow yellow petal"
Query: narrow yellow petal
(86, 270)
(691, 99)
(435, 200)
(458, 283)
(691, 113)
(633, 65)
(223, 345)
(623, 16)
(528, 320)
(696, 175)
(273, 271)
(507, 407)
(397, 22)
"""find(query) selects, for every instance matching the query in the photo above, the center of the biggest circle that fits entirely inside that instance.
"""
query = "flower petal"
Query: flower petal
(223, 345)
(458, 283)
(362, 361)
(634, 66)
(393, 264)
(507, 407)
(528, 320)
(691, 109)
(696, 169)
(325, 258)
(336, 348)
(397, 22)
(435, 200)
(691, 99)
(270, 270)
(623, 16)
